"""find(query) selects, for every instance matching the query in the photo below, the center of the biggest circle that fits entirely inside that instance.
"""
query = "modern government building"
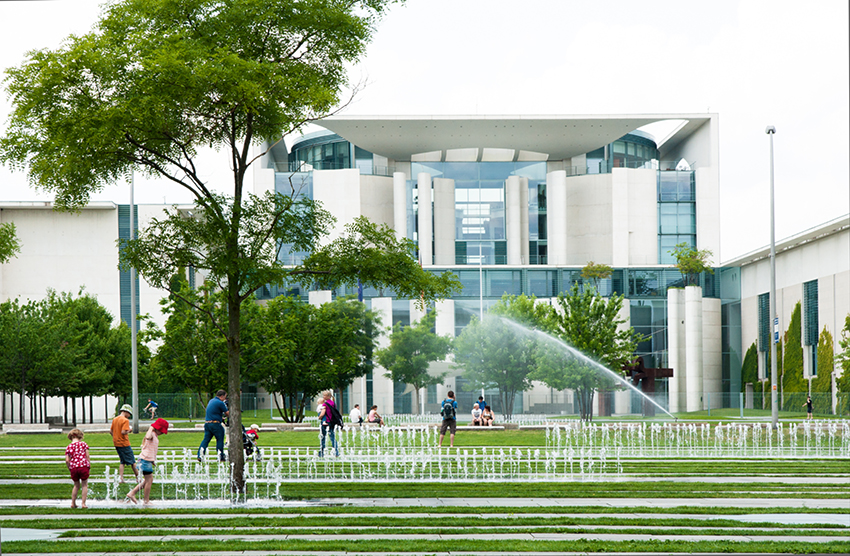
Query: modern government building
(513, 205)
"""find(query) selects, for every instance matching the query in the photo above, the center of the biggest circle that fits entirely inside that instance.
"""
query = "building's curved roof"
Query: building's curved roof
(561, 137)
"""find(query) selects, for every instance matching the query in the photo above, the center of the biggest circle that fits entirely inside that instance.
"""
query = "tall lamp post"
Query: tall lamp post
(774, 378)
(133, 332)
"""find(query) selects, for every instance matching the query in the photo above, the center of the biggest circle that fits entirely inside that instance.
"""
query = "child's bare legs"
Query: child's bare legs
(121, 473)
(148, 482)
(74, 492)
(131, 496)
(85, 493)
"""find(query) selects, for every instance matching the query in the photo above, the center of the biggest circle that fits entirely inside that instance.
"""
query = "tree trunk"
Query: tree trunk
(74, 411)
(21, 409)
(234, 387)
(82, 408)
(3, 406)
(91, 409)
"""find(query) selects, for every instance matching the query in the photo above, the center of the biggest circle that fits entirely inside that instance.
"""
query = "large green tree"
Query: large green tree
(157, 80)
(301, 350)
(22, 347)
(499, 352)
(410, 353)
(822, 383)
(598, 346)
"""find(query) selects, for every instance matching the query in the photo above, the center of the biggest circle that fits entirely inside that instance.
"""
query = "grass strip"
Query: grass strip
(388, 522)
(471, 489)
(356, 511)
(402, 546)
(377, 531)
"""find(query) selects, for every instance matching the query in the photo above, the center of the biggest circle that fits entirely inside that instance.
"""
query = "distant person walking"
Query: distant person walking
(151, 407)
(121, 441)
(809, 408)
(147, 459)
(449, 412)
(214, 425)
(79, 464)
(325, 418)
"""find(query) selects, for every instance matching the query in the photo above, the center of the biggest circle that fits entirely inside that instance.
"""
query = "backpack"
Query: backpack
(448, 410)
(334, 416)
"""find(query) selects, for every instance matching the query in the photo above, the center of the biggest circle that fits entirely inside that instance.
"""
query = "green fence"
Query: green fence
(189, 406)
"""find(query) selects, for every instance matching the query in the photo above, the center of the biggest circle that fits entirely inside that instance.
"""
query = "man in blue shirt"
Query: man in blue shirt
(448, 409)
(214, 427)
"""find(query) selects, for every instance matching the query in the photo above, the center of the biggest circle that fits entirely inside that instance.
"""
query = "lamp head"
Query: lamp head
(770, 130)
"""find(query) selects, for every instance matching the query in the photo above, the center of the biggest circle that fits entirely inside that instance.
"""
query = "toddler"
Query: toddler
(79, 464)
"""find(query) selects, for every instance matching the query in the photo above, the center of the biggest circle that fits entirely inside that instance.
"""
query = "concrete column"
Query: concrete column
(382, 386)
(445, 325)
(693, 347)
(620, 244)
(675, 344)
(444, 221)
(513, 220)
(320, 297)
(712, 345)
(423, 181)
(416, 313)
(400, 204)
(556, 209)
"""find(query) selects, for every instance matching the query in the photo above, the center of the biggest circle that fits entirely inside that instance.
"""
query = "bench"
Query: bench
(29, 428)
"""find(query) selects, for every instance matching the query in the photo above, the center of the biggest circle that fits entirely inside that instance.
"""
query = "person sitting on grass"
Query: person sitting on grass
(79, 464)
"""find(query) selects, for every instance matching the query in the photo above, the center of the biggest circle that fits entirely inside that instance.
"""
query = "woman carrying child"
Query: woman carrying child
(147, 459)
(79, 464)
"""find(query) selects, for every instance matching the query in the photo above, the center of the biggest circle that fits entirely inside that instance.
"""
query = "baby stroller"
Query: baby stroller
(249, 442)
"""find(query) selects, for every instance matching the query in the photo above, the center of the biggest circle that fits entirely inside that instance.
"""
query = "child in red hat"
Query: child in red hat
(147, 459)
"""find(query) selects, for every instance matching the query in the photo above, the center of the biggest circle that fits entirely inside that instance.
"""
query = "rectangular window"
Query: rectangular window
(764, 322)
(810, 313)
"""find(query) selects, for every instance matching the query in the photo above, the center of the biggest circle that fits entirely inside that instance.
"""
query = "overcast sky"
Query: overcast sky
(754, 62)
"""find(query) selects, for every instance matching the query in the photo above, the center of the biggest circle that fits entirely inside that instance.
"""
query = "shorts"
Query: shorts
(146, 467)
(80, 474)
(448, 424)
(125, 455)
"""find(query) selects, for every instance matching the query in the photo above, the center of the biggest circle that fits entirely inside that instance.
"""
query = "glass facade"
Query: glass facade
(124, 275)
(480, 230)
(677, 221)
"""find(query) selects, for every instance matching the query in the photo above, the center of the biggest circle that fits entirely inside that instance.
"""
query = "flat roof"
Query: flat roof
(561, 137)
(835, 226)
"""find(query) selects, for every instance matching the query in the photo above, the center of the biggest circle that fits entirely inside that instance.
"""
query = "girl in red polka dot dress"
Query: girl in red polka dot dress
(79, 464)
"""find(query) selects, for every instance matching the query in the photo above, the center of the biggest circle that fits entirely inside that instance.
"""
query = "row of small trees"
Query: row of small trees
(581, 338)
(65, 347)
(793, 385)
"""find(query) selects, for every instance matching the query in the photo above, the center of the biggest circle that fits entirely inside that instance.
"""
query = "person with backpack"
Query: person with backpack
(330, 418)
(449, 413)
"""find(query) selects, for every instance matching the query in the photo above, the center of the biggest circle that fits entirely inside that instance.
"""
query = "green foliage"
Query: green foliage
(411, 351)
(495, 354)
(794, 386)
(9, 244)
(590, 324)
(61, 346)
(750, 367)
(301, 350)
(843, 381)
(595, 272)
(158, 80)
(692, 262)
(822, 383)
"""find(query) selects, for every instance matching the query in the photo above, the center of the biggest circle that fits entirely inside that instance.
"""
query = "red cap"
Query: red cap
(161, 425)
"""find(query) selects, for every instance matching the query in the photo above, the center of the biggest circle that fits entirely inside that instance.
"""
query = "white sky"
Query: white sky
(754, 62)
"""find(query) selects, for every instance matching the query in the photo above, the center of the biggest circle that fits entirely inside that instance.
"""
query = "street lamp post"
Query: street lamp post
(774, 378)
(134, 379)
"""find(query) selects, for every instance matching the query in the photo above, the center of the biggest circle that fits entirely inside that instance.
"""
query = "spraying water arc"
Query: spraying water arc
(584, 359)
